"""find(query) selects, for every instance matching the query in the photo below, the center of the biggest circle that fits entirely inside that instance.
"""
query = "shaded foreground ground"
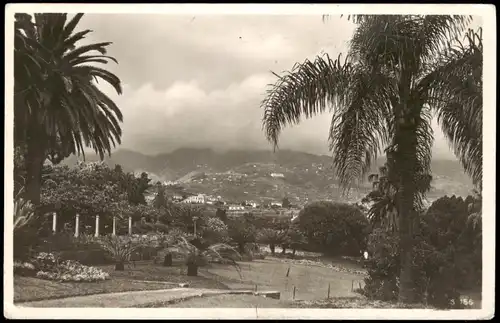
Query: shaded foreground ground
(250, 301)
(228, 301)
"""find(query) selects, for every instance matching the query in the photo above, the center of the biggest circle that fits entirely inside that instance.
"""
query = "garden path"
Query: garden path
(130, 299)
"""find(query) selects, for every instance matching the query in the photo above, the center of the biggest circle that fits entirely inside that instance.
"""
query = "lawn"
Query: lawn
(32, 289)
(310, 282)
(141, 277)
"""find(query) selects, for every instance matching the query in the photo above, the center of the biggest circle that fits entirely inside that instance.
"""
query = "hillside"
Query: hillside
(246, 175)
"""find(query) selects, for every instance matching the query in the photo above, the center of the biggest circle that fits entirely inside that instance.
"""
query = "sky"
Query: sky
(197, 81)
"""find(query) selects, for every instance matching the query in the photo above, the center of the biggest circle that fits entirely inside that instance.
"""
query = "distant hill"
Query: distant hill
(245, 174)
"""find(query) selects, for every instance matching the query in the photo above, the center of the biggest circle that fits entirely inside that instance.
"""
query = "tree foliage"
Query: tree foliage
(336, 228)
(383, 211)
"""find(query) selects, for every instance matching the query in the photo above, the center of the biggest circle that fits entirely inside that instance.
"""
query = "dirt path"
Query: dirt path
(130, 299)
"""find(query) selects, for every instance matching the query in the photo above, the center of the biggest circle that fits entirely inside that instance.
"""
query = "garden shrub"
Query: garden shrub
(445, 226)
(434, 272)
(382, 266)
(333, 228)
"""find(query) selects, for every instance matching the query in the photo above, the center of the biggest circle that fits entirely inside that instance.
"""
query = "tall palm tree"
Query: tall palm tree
(397, 73)
(58, 107)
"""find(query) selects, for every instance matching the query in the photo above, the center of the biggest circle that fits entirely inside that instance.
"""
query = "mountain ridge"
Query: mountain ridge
(246, 174)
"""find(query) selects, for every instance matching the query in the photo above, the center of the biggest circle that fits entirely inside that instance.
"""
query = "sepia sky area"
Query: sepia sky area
(197, 81)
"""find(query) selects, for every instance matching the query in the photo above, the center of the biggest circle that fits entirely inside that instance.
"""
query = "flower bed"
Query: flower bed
(48, 266)
(24, 268)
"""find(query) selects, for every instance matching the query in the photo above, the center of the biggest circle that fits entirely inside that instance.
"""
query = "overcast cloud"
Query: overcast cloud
(197, 81)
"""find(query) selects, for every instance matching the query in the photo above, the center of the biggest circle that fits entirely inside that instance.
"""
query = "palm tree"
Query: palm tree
(397, 73)
(383, 211)
(58, 107)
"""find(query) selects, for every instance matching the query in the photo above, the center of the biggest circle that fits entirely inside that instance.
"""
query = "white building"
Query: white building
(278, 204)
(236, 208)
(195, 199)
(277, 175)
(177, 198)
(252, 204)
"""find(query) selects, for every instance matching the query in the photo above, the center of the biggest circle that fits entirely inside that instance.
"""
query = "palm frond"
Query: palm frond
(23, 213)
(455, 90)
(306, 90)
(360, 126)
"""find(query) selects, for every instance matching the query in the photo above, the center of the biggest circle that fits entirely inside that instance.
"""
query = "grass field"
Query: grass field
(310, 282)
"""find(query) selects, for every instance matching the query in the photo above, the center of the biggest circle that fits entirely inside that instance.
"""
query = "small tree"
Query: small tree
(271, 237)
(241, 232)
(120, 248)
(295, 239)
(195, 257)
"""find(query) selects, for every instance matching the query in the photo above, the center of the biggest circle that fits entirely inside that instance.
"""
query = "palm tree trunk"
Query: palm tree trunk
(406, 284)
(35, 157)
(405, 162)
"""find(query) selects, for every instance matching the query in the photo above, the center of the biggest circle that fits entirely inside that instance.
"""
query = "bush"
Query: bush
(334, 228)
(382, 266)
(434, 274)
(445, 227)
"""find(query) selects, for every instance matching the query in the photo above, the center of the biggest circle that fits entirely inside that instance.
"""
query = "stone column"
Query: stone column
(54, 222)
(114, 225)
(77, 225)
(130, 225)
(96, 225)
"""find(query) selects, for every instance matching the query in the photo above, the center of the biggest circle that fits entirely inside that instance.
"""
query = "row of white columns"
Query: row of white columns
(77, 224)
